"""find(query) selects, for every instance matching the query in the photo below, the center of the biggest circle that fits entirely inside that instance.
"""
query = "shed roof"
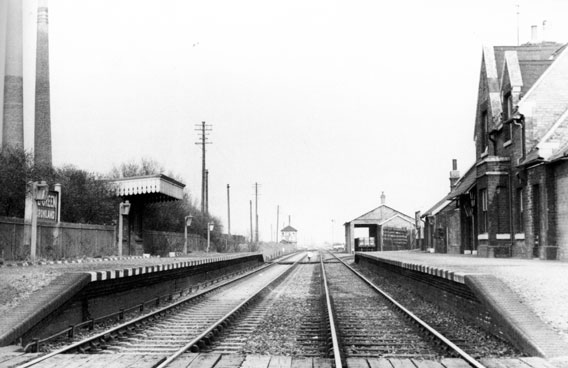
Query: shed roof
(154, 188)
(289, 229)
(381, 214)
(463, 185)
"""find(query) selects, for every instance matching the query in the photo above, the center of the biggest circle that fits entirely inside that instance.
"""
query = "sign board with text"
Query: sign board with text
(47, 209)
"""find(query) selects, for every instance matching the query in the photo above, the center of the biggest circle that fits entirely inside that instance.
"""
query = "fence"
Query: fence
(56, 241)
(69, 240)
(162, 242)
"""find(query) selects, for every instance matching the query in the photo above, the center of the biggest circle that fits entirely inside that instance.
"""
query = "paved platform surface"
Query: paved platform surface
(257, 361)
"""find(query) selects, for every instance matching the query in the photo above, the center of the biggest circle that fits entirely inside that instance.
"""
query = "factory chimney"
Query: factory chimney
(13, 113)
(42, 131)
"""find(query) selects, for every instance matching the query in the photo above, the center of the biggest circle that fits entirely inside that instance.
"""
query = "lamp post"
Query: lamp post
(188, 220)
(332, 225)
(39, 191)
(123, 210)
(210, 226)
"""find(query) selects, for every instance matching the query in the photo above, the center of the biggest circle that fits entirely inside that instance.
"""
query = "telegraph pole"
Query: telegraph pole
(228, 210)
(256, 210)
(206, 191)
(251, 233)
(202, 140)
(277, 221)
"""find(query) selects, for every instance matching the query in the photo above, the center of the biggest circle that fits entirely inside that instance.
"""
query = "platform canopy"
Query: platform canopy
(151, 188)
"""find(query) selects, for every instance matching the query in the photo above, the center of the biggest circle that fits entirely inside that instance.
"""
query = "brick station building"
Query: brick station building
(513, 202)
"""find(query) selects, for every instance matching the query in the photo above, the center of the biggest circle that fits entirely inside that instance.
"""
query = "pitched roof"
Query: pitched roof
(531, 70)
(463, 185)
(528, 51)
(289, 229)
(545, 107)
(535, 59)
(380, 214)
(443, 203)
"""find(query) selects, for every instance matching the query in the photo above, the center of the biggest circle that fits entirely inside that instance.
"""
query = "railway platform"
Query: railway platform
(73, 279)
(193, 360)
(528, 295)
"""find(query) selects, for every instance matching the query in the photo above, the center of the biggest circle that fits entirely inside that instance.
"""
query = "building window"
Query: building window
(520, 211)
(508, 114)
(483, 225)
(484, 130)
(508, 106)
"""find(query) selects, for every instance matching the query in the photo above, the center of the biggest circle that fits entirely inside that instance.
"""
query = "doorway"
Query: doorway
(536, 219)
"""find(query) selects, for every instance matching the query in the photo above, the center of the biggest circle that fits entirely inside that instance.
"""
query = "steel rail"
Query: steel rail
(133, 322)
(333, 331)
(462, 354)
(220, 321)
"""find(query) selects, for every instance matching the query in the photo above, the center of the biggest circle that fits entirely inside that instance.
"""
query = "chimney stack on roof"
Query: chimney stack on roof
(454, 174)
(383, 198)
(534, 34)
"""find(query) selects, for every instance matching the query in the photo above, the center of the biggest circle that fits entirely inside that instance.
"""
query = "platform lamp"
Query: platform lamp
(188, 220)
(39, 191)
(210, 227)
(123, 210)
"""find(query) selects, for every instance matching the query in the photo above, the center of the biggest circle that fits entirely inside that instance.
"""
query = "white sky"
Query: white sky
(324, 103)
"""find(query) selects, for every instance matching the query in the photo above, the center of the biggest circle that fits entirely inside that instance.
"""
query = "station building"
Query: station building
(513, 202)
(387, 229)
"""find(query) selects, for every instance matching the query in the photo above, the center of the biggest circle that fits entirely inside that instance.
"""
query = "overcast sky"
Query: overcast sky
(324, 103)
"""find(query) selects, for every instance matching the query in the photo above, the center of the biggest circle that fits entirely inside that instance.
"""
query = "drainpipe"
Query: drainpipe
(521, 123)
(511, 227)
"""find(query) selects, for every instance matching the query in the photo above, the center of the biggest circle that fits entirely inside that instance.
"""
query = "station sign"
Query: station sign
(47, 209)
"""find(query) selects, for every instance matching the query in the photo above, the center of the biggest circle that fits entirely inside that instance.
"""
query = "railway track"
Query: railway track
(286, 320)
(188, 325)
(369, 323)
(343, 317)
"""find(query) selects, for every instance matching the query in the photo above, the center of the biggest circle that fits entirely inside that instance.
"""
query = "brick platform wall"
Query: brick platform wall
(105, 297)
(446, 294)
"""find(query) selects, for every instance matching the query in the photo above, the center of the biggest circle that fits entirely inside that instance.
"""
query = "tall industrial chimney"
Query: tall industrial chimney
(13, 113)
(42, 131)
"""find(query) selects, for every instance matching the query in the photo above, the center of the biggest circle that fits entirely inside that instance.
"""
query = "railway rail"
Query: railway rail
(379, 325)
(187, 325)
(350, 318)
